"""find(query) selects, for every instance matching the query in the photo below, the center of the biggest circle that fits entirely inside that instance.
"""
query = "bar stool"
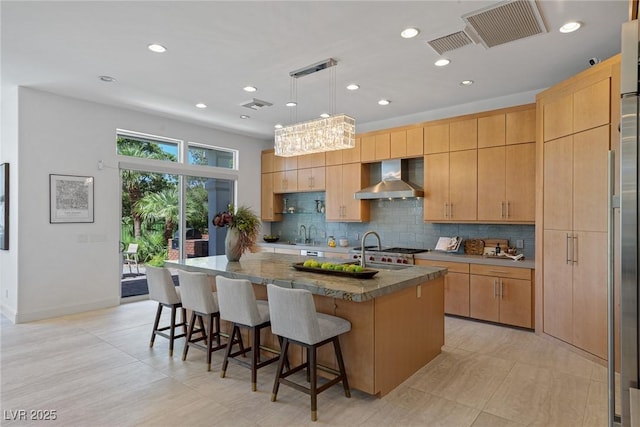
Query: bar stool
(294, 318)
(162, 290)
(197, 297)
(239, 306)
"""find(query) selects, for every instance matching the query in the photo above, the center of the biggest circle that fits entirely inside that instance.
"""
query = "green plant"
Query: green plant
(157, 260)
(245, 220)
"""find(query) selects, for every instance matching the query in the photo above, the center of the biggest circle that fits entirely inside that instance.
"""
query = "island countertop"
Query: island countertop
(264, 268)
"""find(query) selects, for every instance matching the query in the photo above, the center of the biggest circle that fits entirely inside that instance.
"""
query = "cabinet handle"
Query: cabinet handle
(446, 205)
(501, 289)
(495, 288)
(508, 203)
(566, 256)
(451, 210)
(501, 209)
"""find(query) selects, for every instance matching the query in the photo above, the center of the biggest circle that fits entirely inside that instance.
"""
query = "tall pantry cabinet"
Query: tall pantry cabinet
(577, 125)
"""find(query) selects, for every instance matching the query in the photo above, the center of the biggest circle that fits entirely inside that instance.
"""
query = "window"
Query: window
(139, 145)
(211, 156)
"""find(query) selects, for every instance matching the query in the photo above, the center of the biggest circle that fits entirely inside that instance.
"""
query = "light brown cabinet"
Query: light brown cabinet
(342, 181)
(311, 161)
(285, 181)
(451, 186)
(311, 179)
(456, 285)
(270, 203)
(491, 130)
(368, 149)
(285, 163)
(520, 126)
(436, 138)
(506, 183)
(463, 134)
(383, 146)
(501, 294)
(339, 157)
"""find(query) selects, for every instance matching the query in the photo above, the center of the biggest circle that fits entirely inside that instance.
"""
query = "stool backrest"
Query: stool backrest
(293, 314)
(237, 301)
(161, 286)
(196, 292)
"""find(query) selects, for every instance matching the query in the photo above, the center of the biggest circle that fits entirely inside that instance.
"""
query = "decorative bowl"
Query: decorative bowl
(270, 239)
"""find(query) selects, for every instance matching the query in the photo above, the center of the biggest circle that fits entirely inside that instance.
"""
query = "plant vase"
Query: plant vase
(232, 245)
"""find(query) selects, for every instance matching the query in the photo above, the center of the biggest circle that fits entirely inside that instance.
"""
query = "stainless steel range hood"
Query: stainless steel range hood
(394, 183)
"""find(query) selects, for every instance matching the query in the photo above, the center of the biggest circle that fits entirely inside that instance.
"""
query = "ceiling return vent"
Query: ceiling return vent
(450, 42)
(256, 104)
(505, 22)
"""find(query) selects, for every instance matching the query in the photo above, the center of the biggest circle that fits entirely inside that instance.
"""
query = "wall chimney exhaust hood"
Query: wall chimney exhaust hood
(394, 183)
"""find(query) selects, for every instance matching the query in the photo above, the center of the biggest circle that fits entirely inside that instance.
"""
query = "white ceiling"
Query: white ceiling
(215, 48)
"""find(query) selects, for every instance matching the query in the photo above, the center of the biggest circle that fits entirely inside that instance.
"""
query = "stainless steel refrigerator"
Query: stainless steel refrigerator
(625, 231)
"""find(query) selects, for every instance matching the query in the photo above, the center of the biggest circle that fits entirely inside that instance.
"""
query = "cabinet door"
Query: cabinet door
(311, 160)
(558, 118)
(491, 184)
(484, 302)
(436, 138)
(521, 126)
(558, 288)
(333, 195)
(305, 179)
(352, 155)
(591, 106)
(456, 294)
(280, 182)
(515, 302)
(491, 131)
(415, 141)
(590, 179)
(463, 189)
(463, 135)
(333, 158)
(318, 176)
(383, 146)
(354, 179)
(590, 292)
(267, 161)
(520, 182)
(436, 187)
(558, 178)
(266, 197)
(368, 149)
(398, 144)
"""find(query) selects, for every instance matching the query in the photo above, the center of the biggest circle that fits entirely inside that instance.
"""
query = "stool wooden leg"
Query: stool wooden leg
(184, 321)
(155, 324)
(172, 329)
(189, 334)
(210, 342)
(311, 366)
(225, 362)
(203, 331)
(283, 357)
(255, 357)
(343, 372)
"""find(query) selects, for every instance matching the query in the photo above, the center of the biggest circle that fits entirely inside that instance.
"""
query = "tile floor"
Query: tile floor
(96, 369)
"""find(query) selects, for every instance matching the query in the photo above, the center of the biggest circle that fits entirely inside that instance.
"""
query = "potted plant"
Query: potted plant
(243, 226)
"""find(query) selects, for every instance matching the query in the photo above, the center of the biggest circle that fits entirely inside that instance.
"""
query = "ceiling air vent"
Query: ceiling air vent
(505, 22)
(256, 104)
(450, 42)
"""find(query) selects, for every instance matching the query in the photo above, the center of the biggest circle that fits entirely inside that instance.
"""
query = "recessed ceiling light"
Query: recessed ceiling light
(157, 48)
(250, 88)
(278, 126)
(325, 115)
(244, 116)
(107, 79)
(466, 83)
(291, 104)
(353, 86)
(201, 105)
(570, 27)
(442, 62)
(409, 33)
(384, 102)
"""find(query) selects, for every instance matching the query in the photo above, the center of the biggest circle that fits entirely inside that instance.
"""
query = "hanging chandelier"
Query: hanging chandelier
(336, 132)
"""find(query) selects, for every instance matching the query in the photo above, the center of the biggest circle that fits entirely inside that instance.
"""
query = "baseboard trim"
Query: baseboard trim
(25, 317)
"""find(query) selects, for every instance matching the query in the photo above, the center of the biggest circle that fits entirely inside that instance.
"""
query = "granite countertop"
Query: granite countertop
(265, 267)
(430, 255)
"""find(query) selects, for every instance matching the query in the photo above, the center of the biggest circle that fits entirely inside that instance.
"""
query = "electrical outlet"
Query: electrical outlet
(519, 244)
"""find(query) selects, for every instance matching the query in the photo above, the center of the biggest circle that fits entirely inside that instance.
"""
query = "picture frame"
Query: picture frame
(70, 199)
(4, 206)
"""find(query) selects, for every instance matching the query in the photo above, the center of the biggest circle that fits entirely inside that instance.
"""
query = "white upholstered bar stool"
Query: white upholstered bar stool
(294, 318)
(162, 290)
(197, 297)
(239, 306)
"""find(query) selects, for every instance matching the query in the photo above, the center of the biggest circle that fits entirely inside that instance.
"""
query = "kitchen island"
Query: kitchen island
(397, 316)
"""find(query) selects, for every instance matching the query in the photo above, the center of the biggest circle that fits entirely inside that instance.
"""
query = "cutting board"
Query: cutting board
(490, 244)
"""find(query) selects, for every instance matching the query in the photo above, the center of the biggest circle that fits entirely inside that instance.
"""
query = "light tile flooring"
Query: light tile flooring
(96, 369)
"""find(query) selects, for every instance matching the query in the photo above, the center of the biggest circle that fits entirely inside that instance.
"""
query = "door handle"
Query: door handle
(446, 211)
(451, 210)
(508, 203)
(501, 209)
(495, 288)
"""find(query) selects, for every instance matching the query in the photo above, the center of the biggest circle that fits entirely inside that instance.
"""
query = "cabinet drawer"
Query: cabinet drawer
(500, 271)
(454, 267)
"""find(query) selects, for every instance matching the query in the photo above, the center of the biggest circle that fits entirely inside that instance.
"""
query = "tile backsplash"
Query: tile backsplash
(399, 223)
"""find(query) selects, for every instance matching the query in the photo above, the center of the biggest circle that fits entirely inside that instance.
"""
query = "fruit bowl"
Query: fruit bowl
(366, 273)
(270, 239)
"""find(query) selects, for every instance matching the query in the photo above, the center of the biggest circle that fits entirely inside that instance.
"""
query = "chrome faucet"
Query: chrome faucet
(363, 263)
(312, 227)
(303, 230)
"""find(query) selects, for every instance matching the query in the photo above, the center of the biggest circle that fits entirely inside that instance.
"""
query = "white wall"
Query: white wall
(68, 268)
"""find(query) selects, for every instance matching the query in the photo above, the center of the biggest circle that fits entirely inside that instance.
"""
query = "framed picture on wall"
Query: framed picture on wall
(4, 206)
(70, 199)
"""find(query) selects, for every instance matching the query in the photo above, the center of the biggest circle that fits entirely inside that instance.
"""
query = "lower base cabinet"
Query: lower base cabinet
(501, 294)
(493, 293)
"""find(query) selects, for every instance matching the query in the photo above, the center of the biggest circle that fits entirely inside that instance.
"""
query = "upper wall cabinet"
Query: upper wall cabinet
(521, 126)
(436, 138)
(407, 143)
(314, 160)
(267, 161)
(463, 134)
(368, 149)
(491, 131)
(339, 157)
